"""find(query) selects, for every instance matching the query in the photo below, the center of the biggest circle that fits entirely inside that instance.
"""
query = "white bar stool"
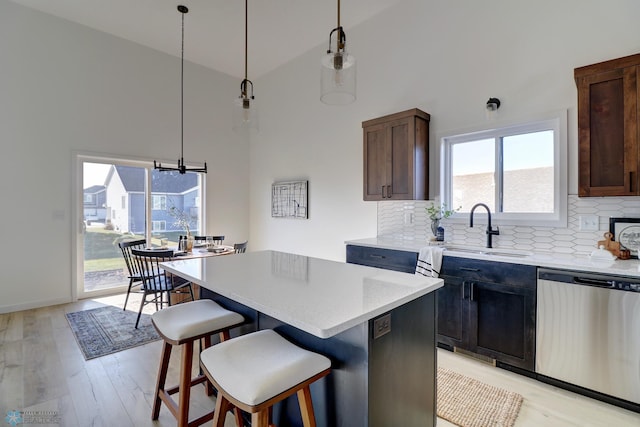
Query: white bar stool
(253, 372)
(183, 324)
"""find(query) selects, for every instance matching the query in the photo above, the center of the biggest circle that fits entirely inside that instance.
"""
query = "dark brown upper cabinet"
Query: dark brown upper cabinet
(396, 156)
(608, 141)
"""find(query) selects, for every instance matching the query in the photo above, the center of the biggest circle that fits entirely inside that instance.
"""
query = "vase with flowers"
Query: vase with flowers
(183, 220)
(437, 213)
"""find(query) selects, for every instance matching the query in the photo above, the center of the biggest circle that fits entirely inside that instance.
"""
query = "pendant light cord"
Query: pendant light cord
(182, 168)
(182, 93)
(246, 37)
(338, 13)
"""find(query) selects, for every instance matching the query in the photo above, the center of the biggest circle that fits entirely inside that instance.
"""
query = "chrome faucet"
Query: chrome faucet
(490, 231)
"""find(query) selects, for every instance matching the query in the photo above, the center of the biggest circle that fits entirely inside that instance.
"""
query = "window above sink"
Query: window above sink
(518, 170)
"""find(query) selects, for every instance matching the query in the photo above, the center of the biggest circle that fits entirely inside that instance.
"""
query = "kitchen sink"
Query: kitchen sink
(489, 252)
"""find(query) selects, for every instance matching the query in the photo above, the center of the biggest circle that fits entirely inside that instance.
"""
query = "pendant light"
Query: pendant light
(245, 111)
(338, 77)
(181, 166)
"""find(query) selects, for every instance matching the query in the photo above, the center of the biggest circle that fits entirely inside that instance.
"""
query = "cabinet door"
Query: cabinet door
(376, 158)
(400, 134)
(502, 322)
(452, 304)
(607, 133)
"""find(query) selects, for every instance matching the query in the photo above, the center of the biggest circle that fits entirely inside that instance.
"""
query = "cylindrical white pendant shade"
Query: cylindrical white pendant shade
(338, 79)
(245, 115)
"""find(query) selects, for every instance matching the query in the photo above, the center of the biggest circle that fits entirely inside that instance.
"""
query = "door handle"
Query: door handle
(383, 196)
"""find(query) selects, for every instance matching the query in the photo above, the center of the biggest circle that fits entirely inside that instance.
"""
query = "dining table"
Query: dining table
(198, 251)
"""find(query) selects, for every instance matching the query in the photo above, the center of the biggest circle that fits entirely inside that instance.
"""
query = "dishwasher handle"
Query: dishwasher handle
(599, 283)
(578, 278)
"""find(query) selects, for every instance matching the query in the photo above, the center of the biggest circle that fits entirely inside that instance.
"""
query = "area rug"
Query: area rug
(471, 403)
(107, 330)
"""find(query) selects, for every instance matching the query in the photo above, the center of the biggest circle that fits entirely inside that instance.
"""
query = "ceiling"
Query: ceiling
(279, 30)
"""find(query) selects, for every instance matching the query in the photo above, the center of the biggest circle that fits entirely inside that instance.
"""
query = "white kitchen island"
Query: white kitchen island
(376, 326)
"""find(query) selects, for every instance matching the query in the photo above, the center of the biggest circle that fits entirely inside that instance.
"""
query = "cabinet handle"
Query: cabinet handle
(377, 256)
(388, 191)
(469, 269)
(383, 196)
(473, 287)
(630, 182)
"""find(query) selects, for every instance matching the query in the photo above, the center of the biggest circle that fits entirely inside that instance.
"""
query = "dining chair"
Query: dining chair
(156, 281)
(217, 240)
(132, 267)
(240, 248)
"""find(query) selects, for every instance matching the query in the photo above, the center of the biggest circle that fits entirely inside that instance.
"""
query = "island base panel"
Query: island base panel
(378, 382)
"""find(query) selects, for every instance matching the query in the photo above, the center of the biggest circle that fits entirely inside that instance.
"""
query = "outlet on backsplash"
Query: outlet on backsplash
(589, 222)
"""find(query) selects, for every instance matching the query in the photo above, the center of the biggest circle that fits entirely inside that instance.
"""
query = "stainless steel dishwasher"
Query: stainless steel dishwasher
(588, 331)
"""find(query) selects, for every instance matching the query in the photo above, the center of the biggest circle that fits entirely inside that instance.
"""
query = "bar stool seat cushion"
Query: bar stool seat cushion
(255, 367)
(193, 319)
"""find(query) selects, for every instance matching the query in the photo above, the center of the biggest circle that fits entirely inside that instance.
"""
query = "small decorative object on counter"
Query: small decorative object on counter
(609, 245)
(440, 234)
(438, 213)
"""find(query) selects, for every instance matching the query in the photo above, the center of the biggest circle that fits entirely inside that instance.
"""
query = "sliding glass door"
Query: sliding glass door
(126, 200)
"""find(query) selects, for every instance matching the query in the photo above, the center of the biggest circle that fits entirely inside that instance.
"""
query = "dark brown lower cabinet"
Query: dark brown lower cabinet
(489, 308)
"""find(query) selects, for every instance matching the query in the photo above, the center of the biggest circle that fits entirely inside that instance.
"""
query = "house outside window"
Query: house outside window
(519, 171)
(88, 198)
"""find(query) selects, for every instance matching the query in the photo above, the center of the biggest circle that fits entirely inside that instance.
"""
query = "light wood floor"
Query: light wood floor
(42, 369)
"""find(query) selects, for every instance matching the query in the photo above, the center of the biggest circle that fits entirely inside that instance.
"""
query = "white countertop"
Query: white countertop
(318, 296)
(628, 267)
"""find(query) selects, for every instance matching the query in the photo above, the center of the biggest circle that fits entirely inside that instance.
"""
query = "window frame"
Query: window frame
(78, 158)
(161, 223)
(557, 122)
(162, 199)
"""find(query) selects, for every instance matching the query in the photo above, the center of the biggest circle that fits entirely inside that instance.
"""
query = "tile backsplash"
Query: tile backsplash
(408, 220)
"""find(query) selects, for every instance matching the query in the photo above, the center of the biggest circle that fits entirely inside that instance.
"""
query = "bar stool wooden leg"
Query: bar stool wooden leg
(260, 419)
(162, 377)
(306, 407)
(204, 344)
(185, 383)
(220, 413)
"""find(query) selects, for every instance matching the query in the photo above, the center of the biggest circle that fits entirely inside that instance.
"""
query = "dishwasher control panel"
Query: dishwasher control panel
(621, 283)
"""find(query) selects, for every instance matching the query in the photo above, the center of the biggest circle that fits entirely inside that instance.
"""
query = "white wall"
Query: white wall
(444, 57)
(66, 88)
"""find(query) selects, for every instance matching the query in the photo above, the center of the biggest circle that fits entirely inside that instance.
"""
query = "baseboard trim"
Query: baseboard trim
(33, 304)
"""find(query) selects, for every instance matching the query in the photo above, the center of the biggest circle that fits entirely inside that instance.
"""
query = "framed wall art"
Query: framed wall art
(289, 199)
(626, 231)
